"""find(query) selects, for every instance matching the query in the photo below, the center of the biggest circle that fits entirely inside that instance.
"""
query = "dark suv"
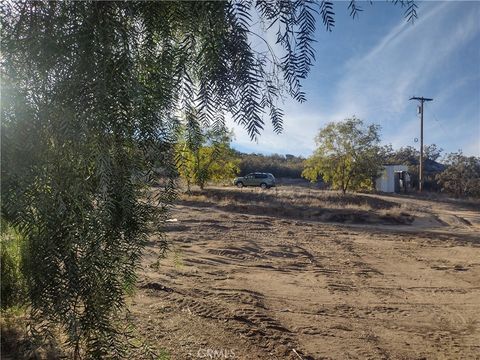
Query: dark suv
(264, 180)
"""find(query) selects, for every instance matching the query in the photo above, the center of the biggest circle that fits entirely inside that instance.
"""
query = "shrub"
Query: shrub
(461, 176)
(13, 284)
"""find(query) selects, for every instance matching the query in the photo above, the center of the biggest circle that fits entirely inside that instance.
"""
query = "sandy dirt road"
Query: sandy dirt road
(242, 286)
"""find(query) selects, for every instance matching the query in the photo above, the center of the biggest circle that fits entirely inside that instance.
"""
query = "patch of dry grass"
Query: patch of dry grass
(301, 203)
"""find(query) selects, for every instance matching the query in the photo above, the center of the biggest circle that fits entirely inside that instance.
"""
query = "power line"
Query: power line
(440, 123)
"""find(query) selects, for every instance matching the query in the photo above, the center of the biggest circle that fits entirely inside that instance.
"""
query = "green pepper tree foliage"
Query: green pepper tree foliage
(348, 155)
(91, 93)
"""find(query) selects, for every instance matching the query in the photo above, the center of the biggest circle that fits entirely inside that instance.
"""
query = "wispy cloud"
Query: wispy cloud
(403, 61)
(376, 84)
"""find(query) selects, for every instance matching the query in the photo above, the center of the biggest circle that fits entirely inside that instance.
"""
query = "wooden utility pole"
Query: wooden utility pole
(420, 171)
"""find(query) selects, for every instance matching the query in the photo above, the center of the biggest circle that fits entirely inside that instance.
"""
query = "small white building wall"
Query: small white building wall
(386, 181)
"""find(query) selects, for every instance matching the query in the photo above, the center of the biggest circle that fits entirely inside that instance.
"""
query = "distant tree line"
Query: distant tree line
(281, 166)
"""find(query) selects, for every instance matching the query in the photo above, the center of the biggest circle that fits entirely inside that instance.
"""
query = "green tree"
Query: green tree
(91, 93)
(209, 158)
(461, 176)
(348, 155)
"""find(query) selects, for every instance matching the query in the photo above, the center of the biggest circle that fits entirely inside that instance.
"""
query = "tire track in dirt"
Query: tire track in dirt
(243, 309)
(258, 279)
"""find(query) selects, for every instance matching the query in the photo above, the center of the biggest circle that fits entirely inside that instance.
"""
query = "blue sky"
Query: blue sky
(371, 66)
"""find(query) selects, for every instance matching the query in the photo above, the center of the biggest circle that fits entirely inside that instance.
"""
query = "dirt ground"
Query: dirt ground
(239, 283)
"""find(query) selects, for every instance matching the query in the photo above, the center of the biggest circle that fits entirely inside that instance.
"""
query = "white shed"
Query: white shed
(386, 181)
